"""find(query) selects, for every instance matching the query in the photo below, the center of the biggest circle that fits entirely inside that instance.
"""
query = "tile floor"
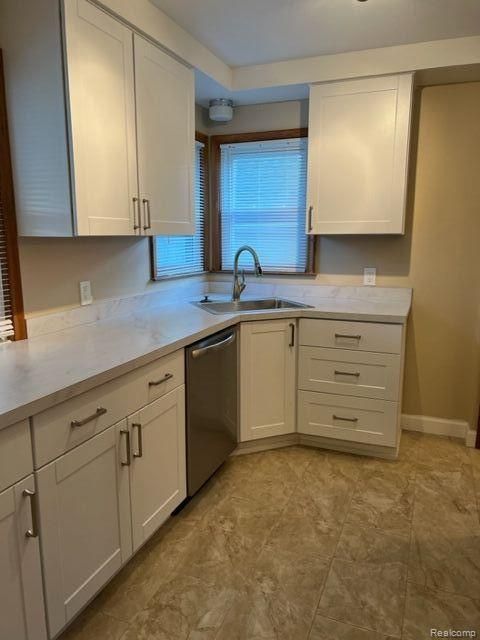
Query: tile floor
(300, 543)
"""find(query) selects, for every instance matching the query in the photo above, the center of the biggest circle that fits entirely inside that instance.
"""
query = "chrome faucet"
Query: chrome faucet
(239, 283)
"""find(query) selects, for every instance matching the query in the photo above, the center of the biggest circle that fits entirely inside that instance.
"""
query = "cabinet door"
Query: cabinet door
(358, 155)
(85, 522)
(22, 613)
(158, 470)
(99, 61)
(267, 378)
(166, 141)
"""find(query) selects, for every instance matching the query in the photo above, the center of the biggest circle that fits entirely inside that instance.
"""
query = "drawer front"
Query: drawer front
(15, 454)
(74, 421)
(340, 371)
(344, 418)
(164, 375)
(356, 336)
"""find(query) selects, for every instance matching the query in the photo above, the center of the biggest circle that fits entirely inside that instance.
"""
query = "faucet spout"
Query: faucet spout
(239, 283)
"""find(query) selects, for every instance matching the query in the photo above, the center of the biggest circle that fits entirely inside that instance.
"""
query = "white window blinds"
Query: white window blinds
(6, 314)
(185, 255)
(263, 202)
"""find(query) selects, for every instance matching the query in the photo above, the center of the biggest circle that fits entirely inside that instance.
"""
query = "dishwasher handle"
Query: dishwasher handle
(216, 346)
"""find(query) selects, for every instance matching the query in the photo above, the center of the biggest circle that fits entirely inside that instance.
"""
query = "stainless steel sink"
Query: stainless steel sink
(249, 306)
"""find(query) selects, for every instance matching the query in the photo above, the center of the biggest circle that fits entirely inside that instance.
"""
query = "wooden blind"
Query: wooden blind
(12, 322)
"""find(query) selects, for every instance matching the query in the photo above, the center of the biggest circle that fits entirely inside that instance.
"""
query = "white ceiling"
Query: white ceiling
(246, 32)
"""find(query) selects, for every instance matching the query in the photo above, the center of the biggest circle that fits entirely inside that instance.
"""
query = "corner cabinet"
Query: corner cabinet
(358, 150)
(267, 378)
(102, 124)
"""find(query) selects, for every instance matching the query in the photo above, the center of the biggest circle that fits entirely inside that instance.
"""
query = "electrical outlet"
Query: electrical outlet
(369, 276)
(85, 293)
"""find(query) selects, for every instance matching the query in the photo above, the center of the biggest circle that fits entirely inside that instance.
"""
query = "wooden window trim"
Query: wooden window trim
(6, 189)
(215, 224)
(199, 137)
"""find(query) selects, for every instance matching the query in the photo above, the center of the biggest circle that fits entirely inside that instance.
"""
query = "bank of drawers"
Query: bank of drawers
(349, 380)
(74, 421)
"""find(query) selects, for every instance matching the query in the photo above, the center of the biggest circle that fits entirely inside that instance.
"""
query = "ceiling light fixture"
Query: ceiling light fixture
(221, 110)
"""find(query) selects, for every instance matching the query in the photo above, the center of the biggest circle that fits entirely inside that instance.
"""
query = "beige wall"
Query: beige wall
(52, 268)
(439, 256)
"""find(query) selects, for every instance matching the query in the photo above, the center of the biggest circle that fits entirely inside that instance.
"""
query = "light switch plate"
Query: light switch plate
(370, 276)
(85, 293)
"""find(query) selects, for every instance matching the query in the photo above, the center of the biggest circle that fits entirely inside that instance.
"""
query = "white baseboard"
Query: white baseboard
(471, 438)
(436, 426)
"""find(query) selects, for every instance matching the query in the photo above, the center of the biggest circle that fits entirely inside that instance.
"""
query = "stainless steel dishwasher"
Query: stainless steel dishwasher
(212, 409)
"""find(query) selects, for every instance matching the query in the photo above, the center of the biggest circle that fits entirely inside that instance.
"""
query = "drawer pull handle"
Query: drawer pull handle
(347, 336)
(126, 433)
(139, 452)
(344, 419)
(354, 374)
(155, 383)
(292, 335)
(33, 531)
(80, 423)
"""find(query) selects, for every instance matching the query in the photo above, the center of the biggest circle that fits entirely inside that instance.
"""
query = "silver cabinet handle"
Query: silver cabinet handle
(198, 353)
(155, 383)
(355, 374)
(292, 334)
(80, 423)
(33, 531)
(139, 453)
(347, 336)
(136, 214)
(126, 433)
(344, 419)
(148, 215)
(310, 213)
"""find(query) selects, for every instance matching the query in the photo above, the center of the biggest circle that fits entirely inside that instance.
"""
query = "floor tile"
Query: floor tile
(384, 496)
(365, 595)
(93, 624)
(326, 629)
(441, 453)
(367, 544)
(448, 560)
(427, 609)
(284, 589)
(446, 499)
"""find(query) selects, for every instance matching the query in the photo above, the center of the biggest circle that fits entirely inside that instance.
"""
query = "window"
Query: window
(262, 201)
(12, 323)
(185, 255)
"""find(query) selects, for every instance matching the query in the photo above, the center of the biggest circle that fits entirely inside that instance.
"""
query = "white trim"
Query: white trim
(436, 426)
(265, 444)
(344, 446)
(471, 438)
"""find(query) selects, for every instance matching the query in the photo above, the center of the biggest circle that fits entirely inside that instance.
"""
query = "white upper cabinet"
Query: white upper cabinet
(358, 155)
(90, 118)
(165, 92)
(99, 64)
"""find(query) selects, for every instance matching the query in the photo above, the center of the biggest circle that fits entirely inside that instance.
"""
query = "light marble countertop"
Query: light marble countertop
(40, 372)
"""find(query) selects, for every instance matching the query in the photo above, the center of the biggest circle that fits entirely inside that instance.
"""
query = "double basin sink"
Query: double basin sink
(245, 306)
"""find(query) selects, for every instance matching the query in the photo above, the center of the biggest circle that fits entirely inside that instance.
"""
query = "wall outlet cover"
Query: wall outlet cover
(369, 276)
(85, 293)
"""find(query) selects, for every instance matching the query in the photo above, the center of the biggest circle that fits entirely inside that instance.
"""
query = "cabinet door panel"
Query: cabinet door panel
(358, 155)
(158, 470)
(84, 505)
(267, 379)
(99, 54)
(166, 140)
(22, 613)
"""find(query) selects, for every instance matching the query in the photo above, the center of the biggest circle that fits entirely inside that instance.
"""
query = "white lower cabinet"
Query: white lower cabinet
(267, 378)
(22, 613)
(101, 501)
(158, 465)
(84, 521)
